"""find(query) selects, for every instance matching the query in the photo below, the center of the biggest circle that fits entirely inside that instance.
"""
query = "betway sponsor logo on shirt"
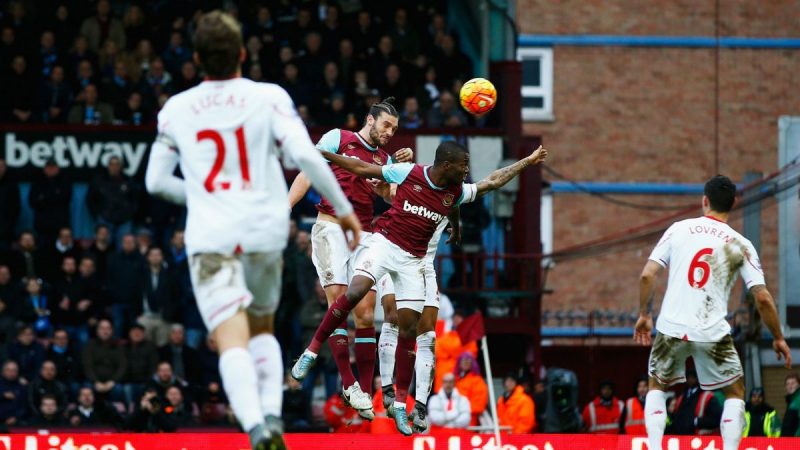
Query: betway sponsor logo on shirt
(69, 151)
(422, 212)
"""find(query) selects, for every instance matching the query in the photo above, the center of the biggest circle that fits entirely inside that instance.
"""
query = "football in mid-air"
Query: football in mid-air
(478, 96)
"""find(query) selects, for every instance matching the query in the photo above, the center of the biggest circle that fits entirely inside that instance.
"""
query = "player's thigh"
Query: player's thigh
(717, 363)
(427, 321)
(431, 288)
(373, 261)
(219, 287)
(356, 256)
(263, 272)
(409, 284)
(329, 253)
(667, 363)
(407, 321)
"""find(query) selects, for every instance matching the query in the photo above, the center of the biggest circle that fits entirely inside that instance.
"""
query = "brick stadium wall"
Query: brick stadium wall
(648, 114)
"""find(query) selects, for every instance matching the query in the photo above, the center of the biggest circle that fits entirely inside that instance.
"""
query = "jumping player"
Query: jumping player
(425, 196)
(226, 134)
(330, 254)
(704, 256)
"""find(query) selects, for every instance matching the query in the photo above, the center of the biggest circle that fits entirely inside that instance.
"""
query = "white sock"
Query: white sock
(732, 423)
(266, 354)
(424, 366)
(387, 345)
(655, 418)
(241, 385)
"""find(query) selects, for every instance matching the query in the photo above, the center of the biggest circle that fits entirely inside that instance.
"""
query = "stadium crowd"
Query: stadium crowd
(101, 62)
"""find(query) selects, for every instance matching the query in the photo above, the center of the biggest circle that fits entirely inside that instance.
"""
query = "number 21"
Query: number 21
(241, 144)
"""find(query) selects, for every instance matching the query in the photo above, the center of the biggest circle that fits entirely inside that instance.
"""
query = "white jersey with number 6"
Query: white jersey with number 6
(228, 136)
(704, 256)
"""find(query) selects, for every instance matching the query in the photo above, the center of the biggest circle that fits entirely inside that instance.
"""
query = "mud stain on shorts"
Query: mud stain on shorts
(211, 264)
(662, 356)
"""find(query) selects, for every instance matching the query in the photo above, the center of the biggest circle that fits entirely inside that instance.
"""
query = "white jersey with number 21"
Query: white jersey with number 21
(704, 256)
(228, 136)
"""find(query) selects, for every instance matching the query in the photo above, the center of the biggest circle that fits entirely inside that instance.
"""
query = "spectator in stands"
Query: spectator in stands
(47, 414)
(102, 27)
(65, 359)
(100, 250)
(150, 416)
(381, 59)
(296, 35)
(46, 384)
(37, 307)
(410, 117)
(176, 54)
(214, 408)
(540, 403)
(9, 205)
(158, 80)
(117, 88)
(64, 25)
(761, 419)
(142, 358)
(94, 413)
(160, 218)
(91, 111)
(331, 85)
(8, 323)
(448, 408)
(312, 61)
(471, 384)
(179, 411)
(22, 99)
(143, 56)
(104, 362)
(144, 240)
(334, 115)
(696, 410)
(346, 63)
(633, 414)
(50, 198)
(135, 25)
(9, 47)
(430, 90)
(13, 395)
(113, 199)
(124, 273)
(296, 412)
(445, 113)
(449, 349)
(55, 96)
(294, 86)
(188, 77)
(184, 359)
(450, 63)
(69, 301)
(27, 353)
(394, 84)
(515, 408)
(165, 378)
(365, 36)
(27, 260)
(208, 358)
(55, 252)
(158, 297)
(791, 419)
(602, 415)
(9, 291)
(80, 63)
(404, 37)
(331, 29)
(48, 54)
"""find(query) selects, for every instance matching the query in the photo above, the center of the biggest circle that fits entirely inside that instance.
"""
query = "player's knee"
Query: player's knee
(364, 319)
(407, 331)
(390, 317)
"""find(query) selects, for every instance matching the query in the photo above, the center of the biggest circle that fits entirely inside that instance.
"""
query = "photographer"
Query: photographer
(151, 415)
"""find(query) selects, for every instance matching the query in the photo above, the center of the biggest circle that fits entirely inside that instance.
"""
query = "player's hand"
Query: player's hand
(404, 155)
(783, 352)
(350, 223)
(643, 330)
(538, 156)
(380, 187)
(455, 236)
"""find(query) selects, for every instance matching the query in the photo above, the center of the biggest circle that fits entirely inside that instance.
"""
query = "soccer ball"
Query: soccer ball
(478, 96)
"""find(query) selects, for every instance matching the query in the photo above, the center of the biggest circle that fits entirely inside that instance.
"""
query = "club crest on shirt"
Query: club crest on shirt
(329, 276)
(417, 188)
(377, 159)
(367, 264)
(448, 199)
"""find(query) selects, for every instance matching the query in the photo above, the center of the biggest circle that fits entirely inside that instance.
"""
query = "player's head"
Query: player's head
(381, 122)
(218, 45)
(453, 160)
(719, 195)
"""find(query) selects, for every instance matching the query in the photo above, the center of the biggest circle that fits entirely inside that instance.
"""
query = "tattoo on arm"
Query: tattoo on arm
(500, 177)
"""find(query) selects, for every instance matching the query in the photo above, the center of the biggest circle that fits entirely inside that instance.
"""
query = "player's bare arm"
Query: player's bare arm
(642, 332)
(500, 177)
(769, 314)
(455, 226)
(299, 189)
(355, 166)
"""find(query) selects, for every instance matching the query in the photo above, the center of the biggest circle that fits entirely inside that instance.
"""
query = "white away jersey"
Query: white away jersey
(704, 256)
(228, 135)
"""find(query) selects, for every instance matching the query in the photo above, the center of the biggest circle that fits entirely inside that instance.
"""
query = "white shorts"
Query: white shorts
(386, 287)
(407, 271)
(717, 363)
(225, 284)
(331, 255)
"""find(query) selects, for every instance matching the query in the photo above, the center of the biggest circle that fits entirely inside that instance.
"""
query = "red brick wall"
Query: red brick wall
(648, 114)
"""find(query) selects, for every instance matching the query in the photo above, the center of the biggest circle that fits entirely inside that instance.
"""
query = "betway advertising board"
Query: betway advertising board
(183, 441)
